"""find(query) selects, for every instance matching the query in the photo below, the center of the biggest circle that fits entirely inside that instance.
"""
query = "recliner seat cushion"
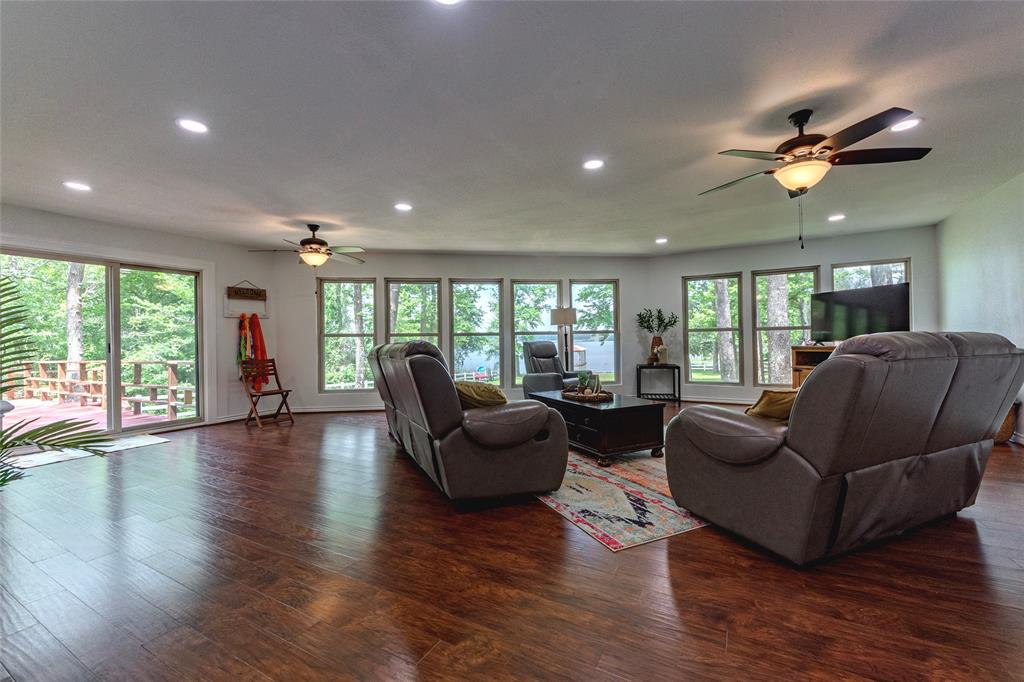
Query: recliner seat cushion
(507, 425)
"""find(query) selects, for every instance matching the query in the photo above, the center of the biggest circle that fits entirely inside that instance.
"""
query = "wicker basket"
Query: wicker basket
(601, 397)
(1009, 424)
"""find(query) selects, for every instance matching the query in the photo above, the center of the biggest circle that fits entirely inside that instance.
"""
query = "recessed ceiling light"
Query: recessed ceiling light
(403, 207)
(661, 240)
(593, 164)
(836, 217)
(77, 186)
(192, 125)
(905, 124)
(449, 3)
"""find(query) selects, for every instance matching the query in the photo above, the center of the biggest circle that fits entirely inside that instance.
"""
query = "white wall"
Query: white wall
(292, 329)
(981, 258)
(220, 265)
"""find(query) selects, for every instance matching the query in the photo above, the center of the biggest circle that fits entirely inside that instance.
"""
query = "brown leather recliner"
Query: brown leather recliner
(520, 447)
(891, 431)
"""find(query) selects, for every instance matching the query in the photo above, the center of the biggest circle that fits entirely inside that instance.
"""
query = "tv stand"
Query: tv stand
(806, 358)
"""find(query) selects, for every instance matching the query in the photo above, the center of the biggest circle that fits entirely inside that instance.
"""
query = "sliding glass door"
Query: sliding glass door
(159, 346)
(66, 304)
(143, 375)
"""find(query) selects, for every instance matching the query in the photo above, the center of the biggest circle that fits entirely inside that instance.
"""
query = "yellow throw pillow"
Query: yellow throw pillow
(478, 394)
(774, 405)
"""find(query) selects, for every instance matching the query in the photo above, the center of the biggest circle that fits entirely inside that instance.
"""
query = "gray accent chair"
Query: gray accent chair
(544, 369)
(891, 431)
(520, 447)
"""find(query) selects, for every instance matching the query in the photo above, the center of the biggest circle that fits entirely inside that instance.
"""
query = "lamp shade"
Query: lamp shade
(802, 174)
(563, 316)
(314, 259)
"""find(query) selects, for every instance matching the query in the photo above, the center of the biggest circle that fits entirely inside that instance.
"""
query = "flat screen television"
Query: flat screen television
(838, 315)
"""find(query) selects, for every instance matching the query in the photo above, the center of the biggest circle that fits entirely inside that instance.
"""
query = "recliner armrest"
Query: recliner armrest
(730, 436)
(505, 426)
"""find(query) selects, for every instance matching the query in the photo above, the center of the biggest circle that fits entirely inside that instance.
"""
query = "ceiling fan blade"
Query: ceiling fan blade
(866, 128)
(289, 241)
(347, 259)
(272, 251)
(748, 154)
(736, 181)
(347, 249)
(889, 155)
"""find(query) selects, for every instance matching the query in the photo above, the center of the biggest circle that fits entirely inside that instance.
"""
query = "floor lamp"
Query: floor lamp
(565, 318)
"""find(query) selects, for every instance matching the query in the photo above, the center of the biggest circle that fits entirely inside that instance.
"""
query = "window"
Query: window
(413, 310)
(782, 319)
(531, 316)
(595, 338)
(712, 329)
(476, 330)
(870, 274)
(346, 333)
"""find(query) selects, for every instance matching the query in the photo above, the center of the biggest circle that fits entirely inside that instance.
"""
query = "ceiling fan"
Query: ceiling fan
(806, 158)
(314, 251)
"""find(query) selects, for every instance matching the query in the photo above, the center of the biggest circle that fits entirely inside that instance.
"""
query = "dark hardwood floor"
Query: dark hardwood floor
(318, 551)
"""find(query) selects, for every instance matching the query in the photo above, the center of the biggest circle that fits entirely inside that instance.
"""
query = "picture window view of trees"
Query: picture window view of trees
(413, 311)
(595, 335)
(476, 331)
(531, 316)
(782, 302)
(69, 319)
(712, 330)
(876, 274)
(347, 333)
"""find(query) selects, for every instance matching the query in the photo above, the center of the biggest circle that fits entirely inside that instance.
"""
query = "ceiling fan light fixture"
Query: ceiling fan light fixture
(314, 259)
(802, 174)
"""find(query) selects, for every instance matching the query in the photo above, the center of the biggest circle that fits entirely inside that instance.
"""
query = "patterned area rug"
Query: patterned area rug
(620, 506)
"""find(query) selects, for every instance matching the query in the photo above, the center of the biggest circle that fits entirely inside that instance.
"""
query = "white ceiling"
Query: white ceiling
(481, 114)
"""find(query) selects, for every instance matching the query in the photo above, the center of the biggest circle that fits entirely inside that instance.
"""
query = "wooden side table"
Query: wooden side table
(676, 394)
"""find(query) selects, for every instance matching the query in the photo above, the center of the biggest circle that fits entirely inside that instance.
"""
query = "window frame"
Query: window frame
(512, 322)
(755, 347)
(617, 332)
(387, 305)
(883, 261)
(740, 356)
(321, 334)
(452, 334)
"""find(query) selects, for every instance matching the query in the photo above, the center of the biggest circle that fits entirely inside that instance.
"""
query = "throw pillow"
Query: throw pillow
(774, 405)
(478, 394)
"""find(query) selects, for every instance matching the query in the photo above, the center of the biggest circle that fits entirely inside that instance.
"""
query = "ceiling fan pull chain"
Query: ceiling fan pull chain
(800, 218)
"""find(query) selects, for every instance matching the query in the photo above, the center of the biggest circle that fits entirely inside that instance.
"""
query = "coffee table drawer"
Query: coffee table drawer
(577, 416)
(584, 436)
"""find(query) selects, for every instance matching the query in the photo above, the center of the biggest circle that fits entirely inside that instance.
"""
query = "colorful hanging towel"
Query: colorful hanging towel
(243, 334)
(259, 349)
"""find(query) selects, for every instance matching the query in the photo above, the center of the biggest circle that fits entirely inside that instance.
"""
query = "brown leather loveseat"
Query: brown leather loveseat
(891, 431)
(520, 447)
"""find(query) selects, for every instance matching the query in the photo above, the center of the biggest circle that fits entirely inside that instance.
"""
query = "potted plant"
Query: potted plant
(656, 322)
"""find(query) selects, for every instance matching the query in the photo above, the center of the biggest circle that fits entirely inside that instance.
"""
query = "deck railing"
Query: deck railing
(86, 381)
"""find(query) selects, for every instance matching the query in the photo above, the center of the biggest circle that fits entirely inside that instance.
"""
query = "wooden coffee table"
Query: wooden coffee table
(626, 424)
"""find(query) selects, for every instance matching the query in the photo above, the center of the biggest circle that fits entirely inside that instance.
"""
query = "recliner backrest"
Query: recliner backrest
(421, 387)
(990, 370)
(874, 400)
(542, 356)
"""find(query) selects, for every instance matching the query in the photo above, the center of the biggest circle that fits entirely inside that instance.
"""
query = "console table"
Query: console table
(806, 358)
(676, 393)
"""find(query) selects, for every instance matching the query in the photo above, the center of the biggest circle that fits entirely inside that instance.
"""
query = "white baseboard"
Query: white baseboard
(709, 399)
(1017, 437)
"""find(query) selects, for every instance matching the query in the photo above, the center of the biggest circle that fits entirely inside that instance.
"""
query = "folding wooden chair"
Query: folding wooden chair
(264, 369)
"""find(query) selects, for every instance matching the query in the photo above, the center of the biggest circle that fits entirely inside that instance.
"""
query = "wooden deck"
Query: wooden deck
(48, 411)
